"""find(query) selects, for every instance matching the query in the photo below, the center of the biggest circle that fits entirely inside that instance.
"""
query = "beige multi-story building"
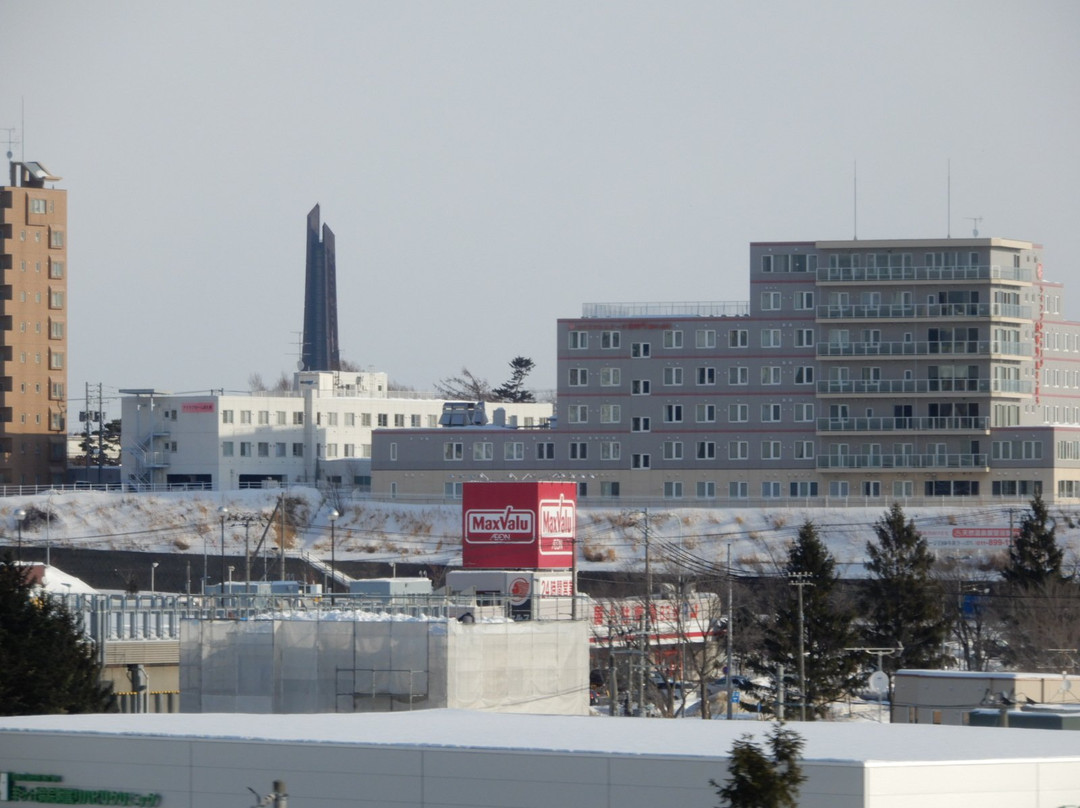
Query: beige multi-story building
(898, 369)
(33, 328)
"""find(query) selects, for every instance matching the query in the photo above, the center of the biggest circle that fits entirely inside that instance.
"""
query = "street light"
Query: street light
(223, 512)
(332, 516)
(19, 515)
(153, 567)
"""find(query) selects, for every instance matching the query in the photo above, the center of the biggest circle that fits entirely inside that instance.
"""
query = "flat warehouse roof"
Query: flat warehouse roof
(841, 742)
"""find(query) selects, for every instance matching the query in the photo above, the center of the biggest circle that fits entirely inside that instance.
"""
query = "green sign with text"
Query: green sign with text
(46, 789)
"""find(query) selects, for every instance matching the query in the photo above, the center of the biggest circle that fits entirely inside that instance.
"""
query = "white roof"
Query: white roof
(869, 743)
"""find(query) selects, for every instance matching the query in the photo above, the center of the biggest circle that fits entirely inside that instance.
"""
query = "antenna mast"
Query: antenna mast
(975, 221)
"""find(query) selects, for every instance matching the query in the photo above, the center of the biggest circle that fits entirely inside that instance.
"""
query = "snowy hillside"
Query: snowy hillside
(610, 538)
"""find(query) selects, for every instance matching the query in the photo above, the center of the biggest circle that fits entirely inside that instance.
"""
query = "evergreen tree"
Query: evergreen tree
(828, 627)
(760, 780)
(1034, 555)
(902, 602)
(48, 665)
(514, 389)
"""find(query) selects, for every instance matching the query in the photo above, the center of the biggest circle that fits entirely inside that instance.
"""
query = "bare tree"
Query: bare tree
(466, 387)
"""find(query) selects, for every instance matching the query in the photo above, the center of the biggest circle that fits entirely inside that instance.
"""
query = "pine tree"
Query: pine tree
(514, 388)
(1034, 556)
(760, 780)
(48, 665)
(828, 626)
(902, 602)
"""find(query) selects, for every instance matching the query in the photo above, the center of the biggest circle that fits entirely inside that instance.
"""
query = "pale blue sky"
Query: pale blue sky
(488, 167)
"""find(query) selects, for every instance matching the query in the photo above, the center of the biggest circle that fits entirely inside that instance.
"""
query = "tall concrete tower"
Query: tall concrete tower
(320, 350)
(33, 327)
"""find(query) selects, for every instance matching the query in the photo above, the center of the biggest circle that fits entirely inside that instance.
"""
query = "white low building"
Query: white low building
(319, 433)
(443, 758)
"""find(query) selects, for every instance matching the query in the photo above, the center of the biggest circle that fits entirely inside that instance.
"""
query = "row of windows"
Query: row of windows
(56, 268)
(56, 328)
(55, 359)
(703, 338)
(611, 450)
(674, 376)
(348, 419)
(56, 298)
(702, 414)
(56, 389)
(55, 418)
(281, 449)
(56, 237)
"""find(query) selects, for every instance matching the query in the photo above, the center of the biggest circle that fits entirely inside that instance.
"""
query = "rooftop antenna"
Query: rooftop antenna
(975, 220)
(11, 139)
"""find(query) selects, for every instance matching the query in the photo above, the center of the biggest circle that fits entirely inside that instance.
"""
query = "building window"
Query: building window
(640, 461)
(804, 338)
(770, 450)
(609, 489)
(56, 269)
(838, 488)
(245, 448)
(673, 413)
(804, 374)
(609, 340)
(298, 450)
(37, 205)
(640, 350)
(770, 413)
(706, 450)
(56, 299)
(545, 451)
(579, 377)
(349, 449)
(738, 450)
(770, 301)
(414, 421)
(705, 489)
(282, 417)
(245, 416)
(331, 419)
(802, 488)
(673, 450)
(705, 413)
(331, 450)
(706, 376)
(610, 377)
(640, 387)
(640, 423)
(452, 490)
(610, 450)
(514, 450)
(738, 375)
(804, 450)
(579, 340)
(56, 360)
(227, 448)
(738, 338)
(483, 450)
(56, 238)
(804, 413)
(579, 450)
(279, 450)
(673, 377)
(804, 301)
(770, 374)
(264, 418)
(578, 413)
(365, 419)
(263, 449)
(673, 339)
(453, 450)
(738, 489)
(738, 413)
(770, 489)
(226, 416)
(382, 419)
(705, 338)
(350, 419)
(770, 338)
(298, 418)
(610, 413)
(399, 420)
(672, 489)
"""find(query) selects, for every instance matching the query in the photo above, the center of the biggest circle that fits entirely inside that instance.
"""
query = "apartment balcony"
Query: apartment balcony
(924, 311)
(155, 460)
(944, 462)
(929, 274)
(892, 387)
(906, 425)
(967, 348)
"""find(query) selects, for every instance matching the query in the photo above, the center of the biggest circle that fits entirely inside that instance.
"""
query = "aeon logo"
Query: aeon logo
(557, 518)
(499, 525)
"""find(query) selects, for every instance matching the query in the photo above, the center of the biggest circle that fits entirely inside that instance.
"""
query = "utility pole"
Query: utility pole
(799, 580)
(729, 628)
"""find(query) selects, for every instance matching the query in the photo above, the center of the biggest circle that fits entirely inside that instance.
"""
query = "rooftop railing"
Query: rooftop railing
(737, 308)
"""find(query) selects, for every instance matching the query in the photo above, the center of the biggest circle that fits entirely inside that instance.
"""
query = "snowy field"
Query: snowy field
(610, 538)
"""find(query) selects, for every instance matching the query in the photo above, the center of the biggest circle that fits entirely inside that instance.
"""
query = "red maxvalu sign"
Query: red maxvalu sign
(518, 525)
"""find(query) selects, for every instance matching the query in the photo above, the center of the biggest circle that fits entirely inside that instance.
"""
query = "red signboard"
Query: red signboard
(197, 406)
(518, 525)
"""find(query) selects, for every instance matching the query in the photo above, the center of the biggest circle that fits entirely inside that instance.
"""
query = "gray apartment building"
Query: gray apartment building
(876, 370)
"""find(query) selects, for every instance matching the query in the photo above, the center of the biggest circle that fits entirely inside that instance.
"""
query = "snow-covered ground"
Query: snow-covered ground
(610, 538)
